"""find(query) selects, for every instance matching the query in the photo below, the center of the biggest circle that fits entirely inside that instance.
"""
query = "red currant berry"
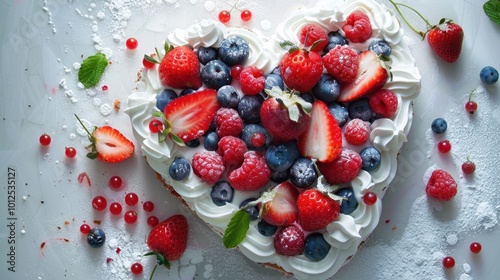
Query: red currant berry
(115, 208)
(258, 139)
(224, 16)
(148, 206)
(155, 125)
(475, 247)
(471, 106)
(236, 71)
(130, 217)
(104, 88)
(448, 262)
(468, 167)
(131, 199)
(131, 43)
(115, 182)
(136, 268)
(246, 15)
(444, 146)
(148, 64)
(45, 139)
(99, 203)
(153, 221)
(70, 152)
(84, 228)
(370, 198)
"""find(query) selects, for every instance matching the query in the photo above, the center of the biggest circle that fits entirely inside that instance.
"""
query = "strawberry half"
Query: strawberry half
(323, 138)
(371, 76)
(189, 116)
(281, 209)
(108, 144)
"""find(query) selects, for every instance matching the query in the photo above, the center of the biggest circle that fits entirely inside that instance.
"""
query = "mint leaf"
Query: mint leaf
(91, 69)
(492, 10)
(236, 229)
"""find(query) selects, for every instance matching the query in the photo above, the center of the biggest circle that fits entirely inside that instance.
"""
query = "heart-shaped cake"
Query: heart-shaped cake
(283, 145)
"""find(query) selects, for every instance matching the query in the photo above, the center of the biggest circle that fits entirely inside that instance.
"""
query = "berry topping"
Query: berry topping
(130, 217)
(234, 50)
(131, 43)
(342, 169)
(289, 241)
(253, 211)
(148, 64)
(70, 152)
(249, 108)
(209, 166)
(232, 149)
(303, 173)
(370, 158)
(96, 238)
(301, 69)
(246, 15)
(152, 221)
(339, 112)
(350, 203)
(253, 173)
(380, 47)
(360, 109)
(211, 142)
(155, 126)
(236, 71)
(207, 54)
(224, 16)
(252, 81)
(131, 198)
(115, 182)
(448, 262)
(228, 122)
(310, 36)
(444, 146)
(316, 209)
(342, 63)
(216, 74)
(45, 139)
(180, 68)
(468, 167)
(488, 75)
(357, 28)
(99, 203)
(115, 208)
(439, 126)
(84, 228)
(221, 193)
(334, 39)
(370, 198)
(327, 89)
(384, 102)
(228, 96)
(164, 97)
(179, 169)
(266, 229)
(279, 157)
(255, 136)
(274, 80)
(356, 132)
(148, 206)
(475, 247)
(281, 207)
(136, 268)
(316, 247)
(441, 185)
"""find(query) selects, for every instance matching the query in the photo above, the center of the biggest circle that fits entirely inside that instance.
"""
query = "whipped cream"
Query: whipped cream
(388, 135)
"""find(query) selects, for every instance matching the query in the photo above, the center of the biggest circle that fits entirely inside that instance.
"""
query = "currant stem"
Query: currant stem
(234, 6)
(421, 33)
(472, 93)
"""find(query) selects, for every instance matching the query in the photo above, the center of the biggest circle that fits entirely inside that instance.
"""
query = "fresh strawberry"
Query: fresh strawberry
(189, 116)
(168, 240)
(446, 40)
(371, 76)
(281, 209)
(441, 185)
(323, 138)
(180, 68)
(284, 115)
(301, 69)
(316, 209)
(108, 144)
(289, 241)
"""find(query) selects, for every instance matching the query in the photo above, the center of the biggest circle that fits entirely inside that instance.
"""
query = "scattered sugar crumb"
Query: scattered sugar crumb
(452, 239)
(467, 268)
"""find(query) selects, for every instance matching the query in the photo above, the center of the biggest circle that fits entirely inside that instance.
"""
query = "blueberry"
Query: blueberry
(234, 50)
(307, 96)
(380, 47)
(252, 210)
(179, 169)
(211, 141)
(316, 248)
(249, 108)
(339, 112)
(221, 193)
(228, 97)
(279, 157)
(334, 39)
(193, 143)
(360, 109)
(273, 80)
(439, 126)
(294, 149)
(489, 75)
(96, 237)
(216, 74)
(348, 205)
(302, 173)
(253, 134)
(327, 89)
(187, 91)
(205, 55)
(370, 158)
(266, 229)
(165, 97)
(280, 176)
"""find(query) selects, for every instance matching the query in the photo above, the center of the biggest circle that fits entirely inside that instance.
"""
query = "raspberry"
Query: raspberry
(313, 33)
(357, 28)
(468, 167)
(441, 185)
(253, 173)
(228, 122)
(356, 132)
(208, 166)
(289, 241)
(384, 102)
(232, 150)
(343, 169)
(342, 63)
(251, 80)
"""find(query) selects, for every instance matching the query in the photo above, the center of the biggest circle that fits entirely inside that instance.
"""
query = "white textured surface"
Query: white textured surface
(40, 48)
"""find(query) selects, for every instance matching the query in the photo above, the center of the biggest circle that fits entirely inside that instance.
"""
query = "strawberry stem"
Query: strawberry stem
(421, 33)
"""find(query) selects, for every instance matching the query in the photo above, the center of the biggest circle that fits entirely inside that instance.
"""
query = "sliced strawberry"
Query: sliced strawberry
(111, 145)
(190, 115)
(281, 210)
(371, 76)
(323, 138)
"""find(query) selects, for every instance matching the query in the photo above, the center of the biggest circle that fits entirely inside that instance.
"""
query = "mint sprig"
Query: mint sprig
(236, 229)
(92, 69)
(492, 10)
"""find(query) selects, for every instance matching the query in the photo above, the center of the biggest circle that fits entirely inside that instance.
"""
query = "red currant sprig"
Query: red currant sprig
(475, 247)
(130, 217)
(444, 146)
(45, 139)
(225, 15)
(131, 199)
(131, 43)
(115, 208)
(471, 105)
(115, 182)
(99, 203)
(84, 228)
(70, 152)
(448, 262)
(370, 198)
(136, 268)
